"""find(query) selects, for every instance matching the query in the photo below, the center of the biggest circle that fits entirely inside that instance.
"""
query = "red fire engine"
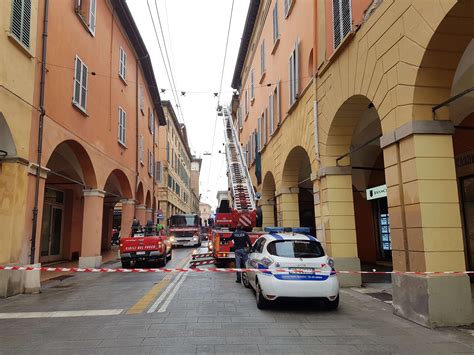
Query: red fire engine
(240, 206)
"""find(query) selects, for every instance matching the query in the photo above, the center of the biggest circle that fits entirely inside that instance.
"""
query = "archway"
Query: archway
(117, 189)
(140, 207)
(268, 201)
(296, 205)
(444, 91)
(62, 221)
(354, 193)
(7, 144)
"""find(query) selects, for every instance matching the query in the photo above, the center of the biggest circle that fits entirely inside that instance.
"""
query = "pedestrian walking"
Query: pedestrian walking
(241, 242)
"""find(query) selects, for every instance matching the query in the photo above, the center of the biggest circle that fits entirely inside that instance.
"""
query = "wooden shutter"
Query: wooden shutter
(21, 21)
(92, 15)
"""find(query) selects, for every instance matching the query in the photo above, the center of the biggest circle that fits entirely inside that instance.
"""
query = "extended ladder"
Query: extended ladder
(241, 189)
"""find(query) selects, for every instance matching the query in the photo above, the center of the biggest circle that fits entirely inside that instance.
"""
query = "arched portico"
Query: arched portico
(268, 201)
(140, 206)
(295, 201)
(71, 220)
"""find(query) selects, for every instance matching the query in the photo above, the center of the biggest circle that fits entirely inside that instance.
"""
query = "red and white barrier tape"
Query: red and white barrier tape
(201, 256)
(160, 270)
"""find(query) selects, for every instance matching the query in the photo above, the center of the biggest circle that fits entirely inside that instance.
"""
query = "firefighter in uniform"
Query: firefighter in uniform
(241, 241)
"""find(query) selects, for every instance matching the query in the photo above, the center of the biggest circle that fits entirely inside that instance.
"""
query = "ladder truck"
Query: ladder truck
(241, 209)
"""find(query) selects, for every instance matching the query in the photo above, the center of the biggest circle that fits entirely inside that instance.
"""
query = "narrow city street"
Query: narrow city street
(202, 313)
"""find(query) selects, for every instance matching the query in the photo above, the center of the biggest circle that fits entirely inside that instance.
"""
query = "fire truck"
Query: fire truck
(240, 206)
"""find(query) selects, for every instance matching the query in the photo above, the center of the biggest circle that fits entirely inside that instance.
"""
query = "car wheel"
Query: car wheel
(262, 302)
(170, 255)
(332, 304)
(162, 261)
(245, 280)
(126, 264)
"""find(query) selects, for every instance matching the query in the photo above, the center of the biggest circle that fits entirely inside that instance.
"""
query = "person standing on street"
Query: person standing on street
(241, 240)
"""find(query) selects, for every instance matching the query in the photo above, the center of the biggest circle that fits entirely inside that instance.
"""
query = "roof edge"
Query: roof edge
(244, 43)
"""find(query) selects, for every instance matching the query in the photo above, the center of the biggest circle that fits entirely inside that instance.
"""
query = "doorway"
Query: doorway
(52, 226)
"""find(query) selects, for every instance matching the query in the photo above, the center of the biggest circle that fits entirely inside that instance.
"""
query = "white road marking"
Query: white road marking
(61, 314)
(160, 299)
(170, 297)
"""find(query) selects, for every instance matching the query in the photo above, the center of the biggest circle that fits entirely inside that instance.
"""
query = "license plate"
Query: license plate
(301, 270)
(141, 253)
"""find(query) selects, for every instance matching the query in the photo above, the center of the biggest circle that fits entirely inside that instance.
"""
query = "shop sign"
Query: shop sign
(376, 192)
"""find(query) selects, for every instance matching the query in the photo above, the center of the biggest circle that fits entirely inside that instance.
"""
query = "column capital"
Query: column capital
(416, 127)
(93, 192)
(140, 207)
(33, 168)
(334, 170)
(127, 202)
(150, 210)
(287, 191)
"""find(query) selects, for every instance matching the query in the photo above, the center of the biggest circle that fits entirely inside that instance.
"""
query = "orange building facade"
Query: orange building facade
(99, 139)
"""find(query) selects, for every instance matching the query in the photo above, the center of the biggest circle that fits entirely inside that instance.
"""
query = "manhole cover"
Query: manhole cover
(383, 296)
(61, 277)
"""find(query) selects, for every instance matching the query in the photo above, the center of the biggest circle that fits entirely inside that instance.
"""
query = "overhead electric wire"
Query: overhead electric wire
(161, 52)
(220, 90)
(168, 60)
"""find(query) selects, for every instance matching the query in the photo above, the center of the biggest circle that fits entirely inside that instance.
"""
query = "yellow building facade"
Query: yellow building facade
(18, 43)
(379, 140)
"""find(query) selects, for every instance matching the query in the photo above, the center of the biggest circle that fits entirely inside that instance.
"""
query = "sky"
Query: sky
(195, 34)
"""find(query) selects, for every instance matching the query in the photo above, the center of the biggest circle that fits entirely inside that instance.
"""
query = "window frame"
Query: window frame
(252, 86)
(141, 149)
(276, 29)
(122, 126)
(288, 6)
(293, 77)
(262, 58)
(92, 14)
(22, 30)
(122, 64)
(341, 22)
(83, 90)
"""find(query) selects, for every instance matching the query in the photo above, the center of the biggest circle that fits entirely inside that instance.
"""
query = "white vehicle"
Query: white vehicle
(309, 272)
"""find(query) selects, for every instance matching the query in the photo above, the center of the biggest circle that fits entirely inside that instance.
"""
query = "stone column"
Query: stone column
(149, 215)
(426, 230)
(288, 209)
(140, 213)
(268, 215)
(335, 221)
(128, 212)
(92, 228)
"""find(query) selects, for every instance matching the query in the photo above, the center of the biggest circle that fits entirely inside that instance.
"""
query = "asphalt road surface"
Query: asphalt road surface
(202, 313)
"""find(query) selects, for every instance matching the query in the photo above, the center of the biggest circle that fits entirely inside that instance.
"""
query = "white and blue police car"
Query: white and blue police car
(293, 265)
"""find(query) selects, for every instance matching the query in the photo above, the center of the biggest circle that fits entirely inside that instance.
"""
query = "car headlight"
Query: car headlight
(210, 246)
(195, 239)
(172, 239)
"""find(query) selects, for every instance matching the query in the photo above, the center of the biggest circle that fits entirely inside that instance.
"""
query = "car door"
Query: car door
(254, 256)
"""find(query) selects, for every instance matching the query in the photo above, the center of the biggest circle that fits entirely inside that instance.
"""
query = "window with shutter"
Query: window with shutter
(277, 110)
(262, 57)
(264, 128)
(92, 16)
(79, 97)
(142, 99)
(271, 117)
(122, 64)
(288, 5)
(342, 20)
(293, 75)
(276, 33)
(21, 21)
(252, 84)
(122, 124)
(158, 172)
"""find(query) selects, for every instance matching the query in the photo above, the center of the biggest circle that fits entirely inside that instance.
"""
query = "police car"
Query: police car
(308, 271)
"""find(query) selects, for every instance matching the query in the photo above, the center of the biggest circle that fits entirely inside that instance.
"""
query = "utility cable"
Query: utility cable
(220, 90)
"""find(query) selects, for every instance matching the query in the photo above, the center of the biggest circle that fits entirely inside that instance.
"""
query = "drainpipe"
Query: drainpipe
(40, 131)
(136, 129)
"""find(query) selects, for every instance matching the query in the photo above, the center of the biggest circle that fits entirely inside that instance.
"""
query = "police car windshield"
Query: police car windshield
(296, 249)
